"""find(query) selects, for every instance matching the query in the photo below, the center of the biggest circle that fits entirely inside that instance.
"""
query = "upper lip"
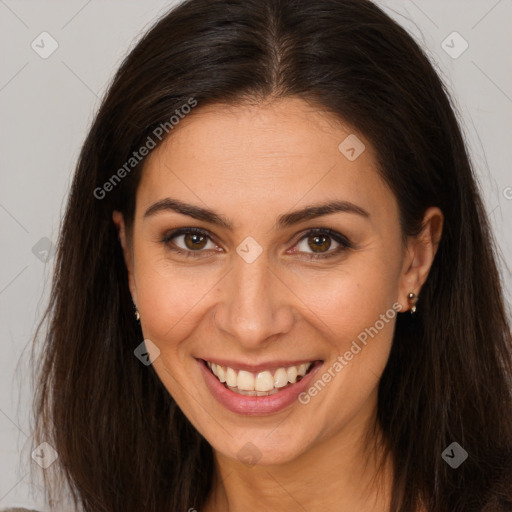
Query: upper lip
(269, 365)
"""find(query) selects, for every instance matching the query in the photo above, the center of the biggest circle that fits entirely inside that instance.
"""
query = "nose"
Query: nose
(255, 304)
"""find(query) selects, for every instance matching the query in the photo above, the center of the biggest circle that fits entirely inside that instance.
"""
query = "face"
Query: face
(230, 263)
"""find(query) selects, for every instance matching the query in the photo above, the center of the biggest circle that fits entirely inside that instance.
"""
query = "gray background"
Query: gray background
(48, 104)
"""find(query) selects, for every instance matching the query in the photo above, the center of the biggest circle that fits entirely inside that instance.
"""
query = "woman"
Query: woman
(276, 283)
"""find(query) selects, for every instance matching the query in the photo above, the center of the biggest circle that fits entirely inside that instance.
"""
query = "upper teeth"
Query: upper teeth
(262, 381)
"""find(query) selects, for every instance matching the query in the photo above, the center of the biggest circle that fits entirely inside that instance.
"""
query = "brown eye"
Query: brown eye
(319, 243)
(194, 241)
(189, 241)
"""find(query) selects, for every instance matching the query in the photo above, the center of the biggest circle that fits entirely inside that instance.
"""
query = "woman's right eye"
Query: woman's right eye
(187, 241)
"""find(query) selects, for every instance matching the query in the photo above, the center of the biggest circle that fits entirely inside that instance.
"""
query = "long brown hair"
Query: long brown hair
(123, 443)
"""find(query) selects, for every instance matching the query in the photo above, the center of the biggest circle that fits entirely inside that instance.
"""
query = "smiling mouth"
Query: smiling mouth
(264, 383)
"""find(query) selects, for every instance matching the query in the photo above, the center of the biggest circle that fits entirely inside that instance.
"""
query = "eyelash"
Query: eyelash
(342, 240)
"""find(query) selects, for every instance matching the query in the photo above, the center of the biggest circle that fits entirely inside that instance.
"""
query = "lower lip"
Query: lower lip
(255, 405)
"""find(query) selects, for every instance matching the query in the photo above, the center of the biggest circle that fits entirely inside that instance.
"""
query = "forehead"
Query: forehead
(286, 128)
(257, 156)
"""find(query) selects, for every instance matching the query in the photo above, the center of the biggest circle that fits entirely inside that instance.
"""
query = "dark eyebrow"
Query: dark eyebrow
(196, 212)
(284, 221)
(310, 212)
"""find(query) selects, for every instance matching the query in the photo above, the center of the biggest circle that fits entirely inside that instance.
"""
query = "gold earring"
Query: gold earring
(413, 299)
(137, 315)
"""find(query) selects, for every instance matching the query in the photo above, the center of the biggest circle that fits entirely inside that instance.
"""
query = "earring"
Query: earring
(413, 299)
(137, 315)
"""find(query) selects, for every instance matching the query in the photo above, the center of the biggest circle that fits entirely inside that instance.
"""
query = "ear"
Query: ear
(118, 219)
(419, 255)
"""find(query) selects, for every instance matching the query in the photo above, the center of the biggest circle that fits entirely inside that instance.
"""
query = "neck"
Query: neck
(342, 472)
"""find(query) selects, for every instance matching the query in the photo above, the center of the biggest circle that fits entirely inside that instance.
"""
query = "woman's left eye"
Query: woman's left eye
(318, 240)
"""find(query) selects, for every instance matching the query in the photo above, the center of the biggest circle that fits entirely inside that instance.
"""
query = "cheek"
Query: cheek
(351, 298)
(355, 310)
(357, 319)
(170, 295)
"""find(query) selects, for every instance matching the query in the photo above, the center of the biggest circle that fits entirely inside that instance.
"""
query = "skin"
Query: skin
(251, 164)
